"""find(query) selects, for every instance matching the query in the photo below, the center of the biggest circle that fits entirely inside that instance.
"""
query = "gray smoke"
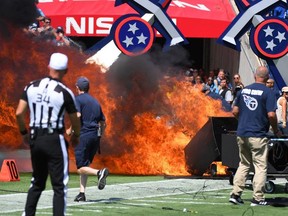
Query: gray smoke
(16, 13)
(130, 75)
(135, 81)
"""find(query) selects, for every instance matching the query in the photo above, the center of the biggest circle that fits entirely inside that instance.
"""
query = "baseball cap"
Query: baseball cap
(58, 61)
(285, 89)
(59, 29)
(33, 26)
(82, 83)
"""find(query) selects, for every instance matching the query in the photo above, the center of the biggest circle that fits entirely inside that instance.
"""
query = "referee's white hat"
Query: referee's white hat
(58, 61)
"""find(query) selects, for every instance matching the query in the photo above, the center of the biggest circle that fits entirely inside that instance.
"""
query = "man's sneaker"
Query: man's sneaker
(80, 198)
(102, 175)
(259, 203)
(236, 200)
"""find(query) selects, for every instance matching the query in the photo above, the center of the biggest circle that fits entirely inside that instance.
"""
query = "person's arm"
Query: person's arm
(20, 117)
(75, 124)
(283, 103)
(102, 125)
(70, 131)
(75, 128)
(66, 41)
(73, 116)
(235, 111)
(273, 122)
(215, 83)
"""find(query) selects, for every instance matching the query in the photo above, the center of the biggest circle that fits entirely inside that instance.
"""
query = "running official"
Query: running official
(48, 100)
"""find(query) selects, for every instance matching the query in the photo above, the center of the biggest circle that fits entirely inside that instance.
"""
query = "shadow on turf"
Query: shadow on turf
(278, 201)
(118, 201)
(110, 200)
(275, 201)
(12, 191)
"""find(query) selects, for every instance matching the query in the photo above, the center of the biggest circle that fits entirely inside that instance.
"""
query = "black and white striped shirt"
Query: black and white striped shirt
(48, 99)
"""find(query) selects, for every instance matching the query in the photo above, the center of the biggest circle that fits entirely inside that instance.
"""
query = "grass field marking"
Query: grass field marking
(90, 210)
(190, 202)
(12, 195)
(177, 186)
(115, 207)
(138, 204)
(216, 197)
(48, 213)
(20, 210)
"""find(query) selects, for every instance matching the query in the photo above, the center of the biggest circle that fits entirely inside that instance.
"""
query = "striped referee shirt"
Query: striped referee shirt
(48, 99)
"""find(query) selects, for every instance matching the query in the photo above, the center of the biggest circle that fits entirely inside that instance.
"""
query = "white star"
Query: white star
(270, 45)
(280, 36)
(268, 31)
(128, 41)
(133, 28)
(141, 39)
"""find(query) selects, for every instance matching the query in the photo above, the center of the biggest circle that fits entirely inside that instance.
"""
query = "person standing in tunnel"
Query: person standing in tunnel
(282, 111)
(255, 107)
(270, 83)
(48, 100)
(92, 127)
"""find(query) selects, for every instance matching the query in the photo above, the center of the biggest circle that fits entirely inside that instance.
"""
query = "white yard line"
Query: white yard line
(15, 202)
(129, 191)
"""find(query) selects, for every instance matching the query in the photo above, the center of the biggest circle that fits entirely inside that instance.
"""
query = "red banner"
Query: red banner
(194, 18)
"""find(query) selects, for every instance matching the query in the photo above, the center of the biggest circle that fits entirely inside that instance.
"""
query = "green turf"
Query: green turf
(203, 203)
(25, 178)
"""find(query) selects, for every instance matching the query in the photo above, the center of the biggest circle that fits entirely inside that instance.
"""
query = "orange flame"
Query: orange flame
(146, 134)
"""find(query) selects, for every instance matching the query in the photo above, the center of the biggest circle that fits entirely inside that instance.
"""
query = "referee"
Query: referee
(48, 100)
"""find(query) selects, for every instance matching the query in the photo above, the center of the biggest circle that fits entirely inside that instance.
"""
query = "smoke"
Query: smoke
(135, 81)
(18, 12)
(176, 55)
(21, 60)
(140, 75)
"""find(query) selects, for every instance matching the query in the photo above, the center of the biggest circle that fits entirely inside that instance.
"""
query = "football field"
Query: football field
(143, 196)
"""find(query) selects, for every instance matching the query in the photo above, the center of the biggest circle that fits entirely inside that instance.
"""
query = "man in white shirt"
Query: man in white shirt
(225, 92)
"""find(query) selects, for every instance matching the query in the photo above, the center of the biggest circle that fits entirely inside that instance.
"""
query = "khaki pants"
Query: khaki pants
(253, 152)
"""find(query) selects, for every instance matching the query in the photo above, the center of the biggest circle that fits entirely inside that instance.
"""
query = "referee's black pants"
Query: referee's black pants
(49, 155)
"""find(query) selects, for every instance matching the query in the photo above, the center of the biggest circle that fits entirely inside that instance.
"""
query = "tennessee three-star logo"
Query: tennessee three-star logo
(133, 36)
(270, 38)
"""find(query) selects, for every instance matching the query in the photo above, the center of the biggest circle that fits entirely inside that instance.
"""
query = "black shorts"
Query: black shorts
(86, 150)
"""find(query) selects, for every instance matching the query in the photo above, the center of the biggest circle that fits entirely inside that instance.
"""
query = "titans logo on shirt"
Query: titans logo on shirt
(250, 102)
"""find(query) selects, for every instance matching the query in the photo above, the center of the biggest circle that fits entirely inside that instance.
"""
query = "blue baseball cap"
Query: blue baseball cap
(83, 83)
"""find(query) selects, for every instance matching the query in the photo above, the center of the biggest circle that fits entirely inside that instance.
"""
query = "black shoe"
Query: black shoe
(80, 198)
(259, 203)
(236, 200)
(102, 175)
